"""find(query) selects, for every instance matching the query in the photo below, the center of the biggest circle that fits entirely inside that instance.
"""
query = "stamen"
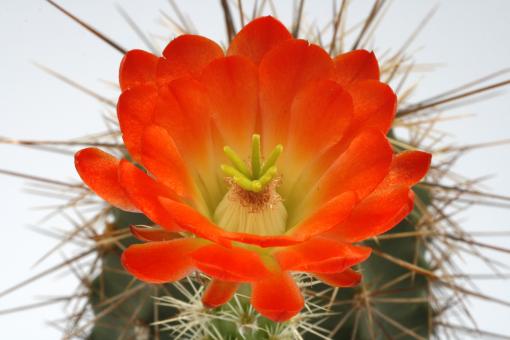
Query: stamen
(260, 213)
(260, 174)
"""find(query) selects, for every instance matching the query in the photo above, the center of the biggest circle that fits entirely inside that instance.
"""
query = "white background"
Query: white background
(469, 39)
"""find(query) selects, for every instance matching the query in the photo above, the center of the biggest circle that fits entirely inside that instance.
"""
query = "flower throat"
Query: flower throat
(252, 204)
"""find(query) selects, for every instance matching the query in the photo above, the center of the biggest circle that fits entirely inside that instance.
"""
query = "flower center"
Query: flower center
(252, 204)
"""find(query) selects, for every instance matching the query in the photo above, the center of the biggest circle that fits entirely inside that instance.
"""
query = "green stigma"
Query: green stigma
(256, 177)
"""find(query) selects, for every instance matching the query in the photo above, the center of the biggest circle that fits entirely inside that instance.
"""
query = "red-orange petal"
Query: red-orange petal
(189, 54)
(277, 297)
(166, 72)
(135, 109)
(162, 158)
(232, 85)
(183, 110)
(144, 192)
(137, 68)
(389, 203)
(408, 168)
(320, 255)
(258, 37)
(377, 213)
(264, 241)
(375, 105)
(218, 292)
(283, 72)
(230, 264)
(346, 278)
(152, 234)
(360, 168)
(160, 262)
(320, 114)
(354, 66)
(99, 171)
(326, 217)
(192, 221)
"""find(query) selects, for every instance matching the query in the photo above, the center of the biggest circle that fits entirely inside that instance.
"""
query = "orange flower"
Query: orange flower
(195, 121)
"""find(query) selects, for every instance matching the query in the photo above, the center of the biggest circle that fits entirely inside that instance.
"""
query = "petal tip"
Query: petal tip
(258, 37)
(356, 65)
(136, 68)
(218, 293)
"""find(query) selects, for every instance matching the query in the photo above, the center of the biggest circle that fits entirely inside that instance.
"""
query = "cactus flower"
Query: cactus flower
(254, 163)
